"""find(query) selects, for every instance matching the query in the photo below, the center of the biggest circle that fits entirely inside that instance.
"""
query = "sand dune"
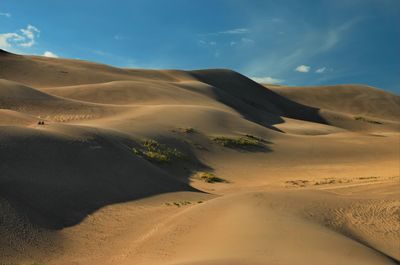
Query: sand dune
(352, 99)
(200, 167)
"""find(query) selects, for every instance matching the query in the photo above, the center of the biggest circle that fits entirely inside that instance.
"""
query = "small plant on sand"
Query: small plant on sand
(157, 152)
(178, 203)
(299, 182)
(209, 177)
(240, 142)
(188, 130)
(364, 178)
(360, 118)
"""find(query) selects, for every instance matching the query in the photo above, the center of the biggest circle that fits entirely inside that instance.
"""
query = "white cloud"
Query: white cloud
(30, 34)
(266, 80)
(26, 38)
(235, 31)
(320, 70)
(230, 31)
(247, 40)
(7, 38)
(50, 54)
(5, 14)
(302, 68)
(207, 43)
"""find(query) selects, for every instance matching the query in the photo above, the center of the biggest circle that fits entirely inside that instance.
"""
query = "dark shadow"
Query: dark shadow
(3, 52)
(254, 101)
(56, 182)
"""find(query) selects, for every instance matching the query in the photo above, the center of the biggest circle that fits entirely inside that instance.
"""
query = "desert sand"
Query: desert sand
(104, 165)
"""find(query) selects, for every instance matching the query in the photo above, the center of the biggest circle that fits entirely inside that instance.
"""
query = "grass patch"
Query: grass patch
(240, 142)
(209, 177)
(157, 152)
(360, 118)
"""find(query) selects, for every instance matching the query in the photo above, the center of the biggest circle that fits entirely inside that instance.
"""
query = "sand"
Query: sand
(318, 185)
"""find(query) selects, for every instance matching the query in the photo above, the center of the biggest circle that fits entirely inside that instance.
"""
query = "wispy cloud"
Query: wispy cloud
(296, 49)
(7, 38)
(266, 80)
(24, 38)
(277, 20)
(50, 54)
(320, 70)
(302, 68)
(5, 14)
(235, 31)
(335, 35)
(120, 37)
(207, 43)
(30, 34)
(118, 60)
(101, 53)
(241, 42)
(247, 40)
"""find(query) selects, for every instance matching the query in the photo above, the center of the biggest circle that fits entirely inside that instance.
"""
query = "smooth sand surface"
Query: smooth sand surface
(321, 185)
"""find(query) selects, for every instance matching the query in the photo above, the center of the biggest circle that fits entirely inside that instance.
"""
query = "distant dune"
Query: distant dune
(103, 165)
(351, 99)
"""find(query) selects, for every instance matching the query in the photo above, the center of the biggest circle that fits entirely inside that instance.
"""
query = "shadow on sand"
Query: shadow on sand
(254, 101)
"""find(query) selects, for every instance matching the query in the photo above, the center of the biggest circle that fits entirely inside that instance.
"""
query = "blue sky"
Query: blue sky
(292, 42)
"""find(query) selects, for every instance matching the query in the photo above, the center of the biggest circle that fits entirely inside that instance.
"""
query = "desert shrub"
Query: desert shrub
(178, 203)
(209, 177)
(188, 130)
(157, 152)
(241, 142)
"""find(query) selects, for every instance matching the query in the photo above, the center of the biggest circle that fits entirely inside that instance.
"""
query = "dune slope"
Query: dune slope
(102, 165)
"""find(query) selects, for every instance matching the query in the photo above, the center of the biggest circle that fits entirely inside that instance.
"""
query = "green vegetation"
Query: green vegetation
(240, 142)
(360, 118)
(156, 152)
(209, 177)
